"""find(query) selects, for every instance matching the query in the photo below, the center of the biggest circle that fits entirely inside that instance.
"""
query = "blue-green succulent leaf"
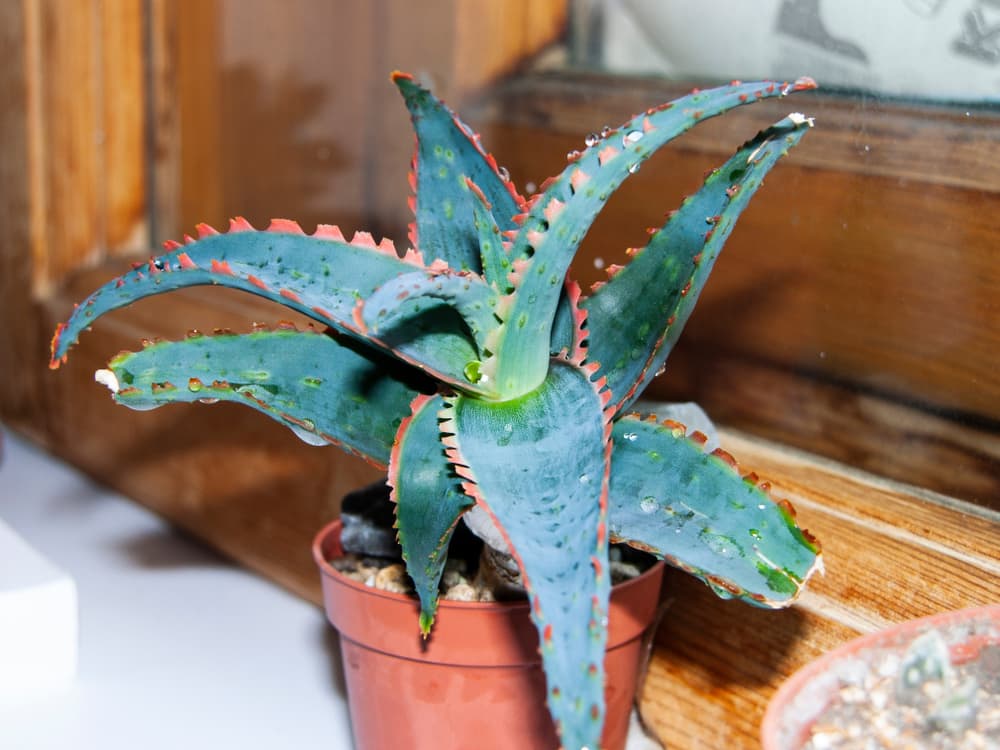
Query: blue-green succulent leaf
(401, 299)
(635, 318)
(326, 390)
(694, 510)
(493, 253)
(561, 216)
(448, 152)
(545, 486)
(322, 276)
(429, 501)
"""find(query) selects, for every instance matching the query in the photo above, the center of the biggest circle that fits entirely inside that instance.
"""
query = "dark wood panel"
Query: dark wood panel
(21, 338)
(123, 126)
(63, 80)
(314, 130)
(841, 421)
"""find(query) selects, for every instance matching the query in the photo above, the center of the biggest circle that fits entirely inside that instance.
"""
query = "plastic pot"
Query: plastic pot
(804, 698)
(477, 682)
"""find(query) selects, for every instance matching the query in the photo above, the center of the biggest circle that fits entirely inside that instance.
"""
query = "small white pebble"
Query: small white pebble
(461, 592)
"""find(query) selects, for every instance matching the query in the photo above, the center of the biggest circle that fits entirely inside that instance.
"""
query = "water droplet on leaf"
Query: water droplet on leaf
(307, 436)
(631, 137)
(592, 139)
(723, 546)
(472, 373)
(648, 504)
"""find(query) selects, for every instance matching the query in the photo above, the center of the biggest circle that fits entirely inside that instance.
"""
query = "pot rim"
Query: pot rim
(328, 570)
(898, 633)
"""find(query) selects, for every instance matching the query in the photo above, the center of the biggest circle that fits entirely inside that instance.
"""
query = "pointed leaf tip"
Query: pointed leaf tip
(426, 622)
(54, 359)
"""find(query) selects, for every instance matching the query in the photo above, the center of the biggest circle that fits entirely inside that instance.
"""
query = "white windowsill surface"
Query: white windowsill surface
(178, 648)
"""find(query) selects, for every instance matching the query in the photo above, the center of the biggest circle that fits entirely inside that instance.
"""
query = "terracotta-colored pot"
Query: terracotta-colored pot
(477, 682)
(805, 696)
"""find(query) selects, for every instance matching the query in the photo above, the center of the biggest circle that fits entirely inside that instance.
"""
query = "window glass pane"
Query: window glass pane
(935, 49)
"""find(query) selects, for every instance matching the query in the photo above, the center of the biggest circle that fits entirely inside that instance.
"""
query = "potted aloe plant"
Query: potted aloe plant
(475, 372)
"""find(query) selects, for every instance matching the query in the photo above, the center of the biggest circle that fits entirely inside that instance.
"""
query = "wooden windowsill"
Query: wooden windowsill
(891, 552)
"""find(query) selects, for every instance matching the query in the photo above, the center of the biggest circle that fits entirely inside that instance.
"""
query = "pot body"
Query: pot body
(477, 681)
(804, 697)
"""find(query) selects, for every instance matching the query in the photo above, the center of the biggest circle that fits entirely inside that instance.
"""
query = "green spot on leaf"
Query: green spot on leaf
(778, 581)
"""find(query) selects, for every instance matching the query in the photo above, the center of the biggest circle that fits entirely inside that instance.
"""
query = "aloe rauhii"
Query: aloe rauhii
(475, 372)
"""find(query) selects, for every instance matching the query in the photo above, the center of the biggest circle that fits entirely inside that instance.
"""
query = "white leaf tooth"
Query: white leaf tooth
(108, 379)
